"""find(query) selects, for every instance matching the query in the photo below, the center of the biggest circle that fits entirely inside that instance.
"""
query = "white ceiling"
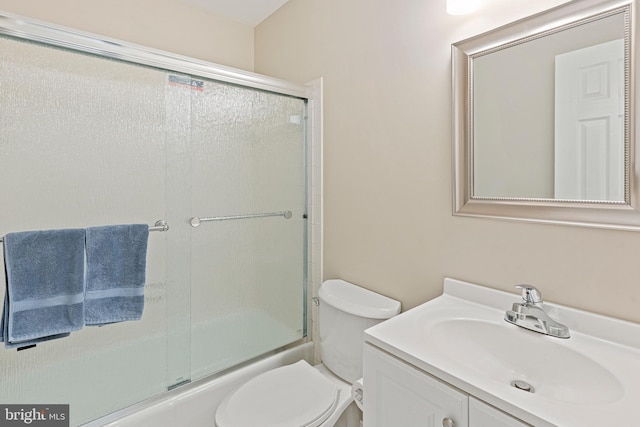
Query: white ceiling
(249, 12)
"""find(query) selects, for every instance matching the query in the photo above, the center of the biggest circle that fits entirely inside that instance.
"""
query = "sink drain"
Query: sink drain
(523, 385)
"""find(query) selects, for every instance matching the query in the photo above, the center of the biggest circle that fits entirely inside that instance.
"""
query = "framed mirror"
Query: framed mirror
(544, 118)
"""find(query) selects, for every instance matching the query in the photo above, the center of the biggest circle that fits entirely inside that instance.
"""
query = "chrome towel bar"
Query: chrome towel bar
(158, 226)
(196, 221)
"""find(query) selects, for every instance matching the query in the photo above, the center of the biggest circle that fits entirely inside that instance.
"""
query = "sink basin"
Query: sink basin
(461, 338)
(504, 353)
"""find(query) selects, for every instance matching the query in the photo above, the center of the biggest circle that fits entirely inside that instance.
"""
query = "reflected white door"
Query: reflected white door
(589, 128)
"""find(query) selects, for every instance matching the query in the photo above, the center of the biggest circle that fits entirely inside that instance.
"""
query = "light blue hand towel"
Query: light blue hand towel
(116, 271)
(44, 286)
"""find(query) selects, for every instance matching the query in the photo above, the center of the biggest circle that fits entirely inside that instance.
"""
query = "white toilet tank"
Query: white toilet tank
(345, 311)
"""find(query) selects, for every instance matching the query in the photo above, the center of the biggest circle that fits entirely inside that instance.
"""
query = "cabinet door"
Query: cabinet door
(483, 415)
(398, 395)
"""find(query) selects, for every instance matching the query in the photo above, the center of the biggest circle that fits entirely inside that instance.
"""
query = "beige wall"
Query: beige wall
(161, 24)
(387, 157)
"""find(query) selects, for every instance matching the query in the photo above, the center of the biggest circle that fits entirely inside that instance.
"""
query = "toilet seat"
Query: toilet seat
(295, 395)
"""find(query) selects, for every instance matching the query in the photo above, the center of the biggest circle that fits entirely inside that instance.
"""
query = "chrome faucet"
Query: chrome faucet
(530, 314)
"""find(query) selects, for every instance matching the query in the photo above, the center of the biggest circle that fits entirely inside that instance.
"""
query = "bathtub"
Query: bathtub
(194, 405)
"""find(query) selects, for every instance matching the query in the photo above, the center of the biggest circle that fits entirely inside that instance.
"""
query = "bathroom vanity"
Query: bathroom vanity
(399, 394)
(454, 361)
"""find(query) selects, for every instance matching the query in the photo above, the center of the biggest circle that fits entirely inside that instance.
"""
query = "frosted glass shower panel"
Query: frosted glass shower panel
(89, 140)
(247, 274)
(82, 144)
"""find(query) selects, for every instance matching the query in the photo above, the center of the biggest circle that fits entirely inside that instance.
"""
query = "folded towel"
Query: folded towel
(44, 286)
(116, 270)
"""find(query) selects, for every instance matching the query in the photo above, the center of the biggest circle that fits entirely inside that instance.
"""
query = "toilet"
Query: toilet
(301, 395)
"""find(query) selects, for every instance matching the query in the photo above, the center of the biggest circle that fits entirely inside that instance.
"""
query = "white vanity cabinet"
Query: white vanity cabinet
(483, 415)
(400, 395)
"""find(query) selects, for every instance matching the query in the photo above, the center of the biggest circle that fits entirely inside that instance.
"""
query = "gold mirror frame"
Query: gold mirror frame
(624, 215)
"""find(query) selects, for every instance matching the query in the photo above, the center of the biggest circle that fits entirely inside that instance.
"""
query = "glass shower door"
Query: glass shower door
(82, 144)
(247, 274)
(87, 140)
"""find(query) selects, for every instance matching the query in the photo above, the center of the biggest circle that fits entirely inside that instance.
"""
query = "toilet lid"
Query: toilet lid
(291, 396)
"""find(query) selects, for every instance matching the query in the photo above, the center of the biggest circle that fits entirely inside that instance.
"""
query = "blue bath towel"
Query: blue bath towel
(44, 286)
(116, 271)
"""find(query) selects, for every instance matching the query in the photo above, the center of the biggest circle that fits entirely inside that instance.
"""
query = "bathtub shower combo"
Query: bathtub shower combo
(97, 132)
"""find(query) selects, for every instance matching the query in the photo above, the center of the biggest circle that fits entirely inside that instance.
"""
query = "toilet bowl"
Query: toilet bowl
(301, 395)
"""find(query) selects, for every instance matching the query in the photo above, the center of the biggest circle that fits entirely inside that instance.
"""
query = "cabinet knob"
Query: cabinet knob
(448, 422)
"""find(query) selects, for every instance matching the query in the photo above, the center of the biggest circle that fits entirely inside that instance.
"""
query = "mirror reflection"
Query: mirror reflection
(548, 115)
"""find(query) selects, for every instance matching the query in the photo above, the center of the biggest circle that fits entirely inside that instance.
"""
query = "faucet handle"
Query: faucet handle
(530, 295)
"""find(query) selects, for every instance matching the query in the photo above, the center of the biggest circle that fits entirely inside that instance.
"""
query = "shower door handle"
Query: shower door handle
(196, 221)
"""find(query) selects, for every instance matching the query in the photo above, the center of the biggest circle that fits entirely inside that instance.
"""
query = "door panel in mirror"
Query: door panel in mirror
(589, 123)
